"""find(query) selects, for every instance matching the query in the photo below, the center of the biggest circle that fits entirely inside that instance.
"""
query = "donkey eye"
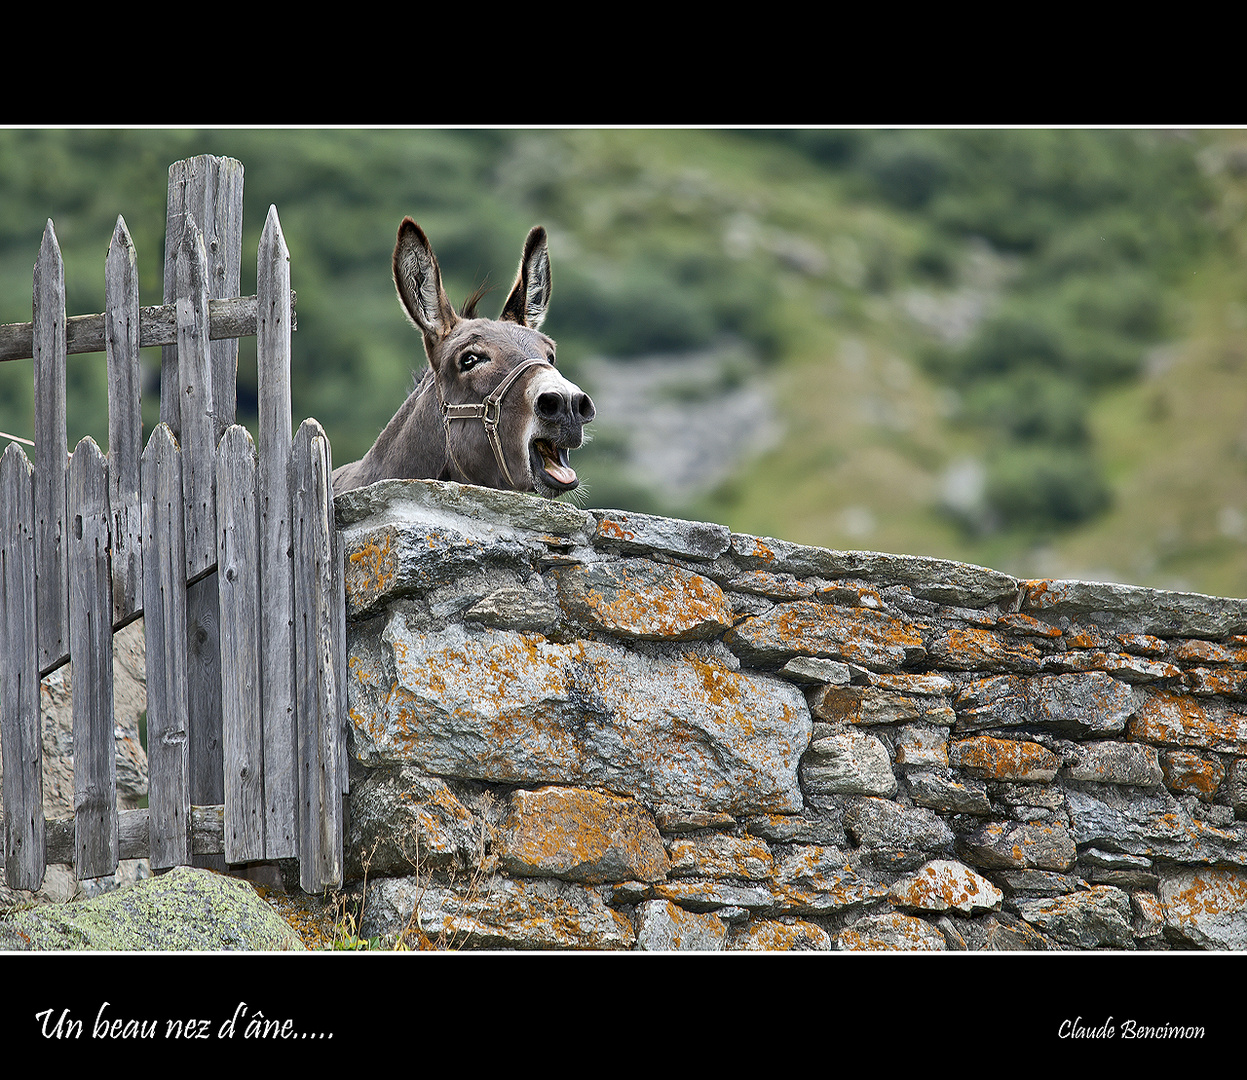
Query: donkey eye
(470, 360)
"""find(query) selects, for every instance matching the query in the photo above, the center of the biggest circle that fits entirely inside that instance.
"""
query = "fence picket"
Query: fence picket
(164, 618)
(125, 422)
(208, 190)
(198, 443)
(91, 652)
(197, 437)
(20, 740)
(205, 193)
(273, 328)
(316, 644)
(238, 571)
(51, 452)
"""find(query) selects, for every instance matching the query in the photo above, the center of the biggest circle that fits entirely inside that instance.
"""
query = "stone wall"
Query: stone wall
(604, 730)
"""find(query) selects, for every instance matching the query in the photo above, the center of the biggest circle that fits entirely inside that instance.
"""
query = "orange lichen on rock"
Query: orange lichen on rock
(509, 706)
(1125, 665)
(1227, 682)
(1043, 593)
(1004, 759)
(943, 884)
(581, 835)
(636, 599)
(722, 687)
(973, 649)
(862, 635)
(614, 530)
(892, 932)
(1210, 652)
(1207, 905)
(1021, 845)
(1143, 644)
(1187, 772)
(668, 735)
(1167, 717)
(370, 569)
(1083, 637)
(745, 858)
(1028, 624)
(753, 547)
(779, 586)
(773, 935)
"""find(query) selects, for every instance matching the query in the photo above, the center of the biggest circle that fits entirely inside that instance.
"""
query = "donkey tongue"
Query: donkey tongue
(564, 474)
(557, 466)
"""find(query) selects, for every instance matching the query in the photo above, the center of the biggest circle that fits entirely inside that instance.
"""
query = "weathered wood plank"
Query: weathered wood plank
(198, 436)
(125, 422)
(91, 652)
(228, 317)
(203, 697)
(51, 452)
(207, 190)
(164, 617)
(273, 330)
(204, 195)
(316, 676)
(223, 238)
(238, 562)
(20, 740)
(134, 834)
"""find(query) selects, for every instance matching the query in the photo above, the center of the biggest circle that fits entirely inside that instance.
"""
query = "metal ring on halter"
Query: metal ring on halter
(488, 413)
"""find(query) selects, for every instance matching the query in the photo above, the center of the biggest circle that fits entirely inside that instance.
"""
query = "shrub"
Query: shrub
(1033, 405)
(1039, 486)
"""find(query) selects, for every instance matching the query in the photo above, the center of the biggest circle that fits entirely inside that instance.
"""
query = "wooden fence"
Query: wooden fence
(231, 557)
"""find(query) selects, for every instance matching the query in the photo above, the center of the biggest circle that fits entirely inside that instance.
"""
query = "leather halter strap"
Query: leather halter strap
(488, 413)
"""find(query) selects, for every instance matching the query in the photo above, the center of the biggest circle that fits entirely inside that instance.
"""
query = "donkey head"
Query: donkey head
(509, 416)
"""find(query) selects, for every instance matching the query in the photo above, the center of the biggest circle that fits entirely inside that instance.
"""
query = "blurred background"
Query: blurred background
(1025, 349)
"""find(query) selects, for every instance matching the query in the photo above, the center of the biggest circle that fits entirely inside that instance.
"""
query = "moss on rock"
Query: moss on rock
(184, 910)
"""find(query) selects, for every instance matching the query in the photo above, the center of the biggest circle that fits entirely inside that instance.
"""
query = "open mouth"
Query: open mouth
(550, 464)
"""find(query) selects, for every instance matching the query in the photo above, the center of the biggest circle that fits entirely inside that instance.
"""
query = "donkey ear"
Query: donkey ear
(419, 282)
(530, 295)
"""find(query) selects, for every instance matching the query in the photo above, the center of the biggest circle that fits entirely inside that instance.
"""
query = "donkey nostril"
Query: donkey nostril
(584, 407)
(550, 404)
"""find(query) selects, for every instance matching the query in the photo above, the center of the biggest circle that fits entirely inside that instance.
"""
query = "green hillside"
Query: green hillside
(1017, 348)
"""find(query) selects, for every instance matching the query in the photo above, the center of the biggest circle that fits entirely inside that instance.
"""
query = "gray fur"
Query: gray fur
(542, 416)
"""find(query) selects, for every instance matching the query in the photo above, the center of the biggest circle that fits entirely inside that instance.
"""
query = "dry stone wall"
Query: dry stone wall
(603, 730)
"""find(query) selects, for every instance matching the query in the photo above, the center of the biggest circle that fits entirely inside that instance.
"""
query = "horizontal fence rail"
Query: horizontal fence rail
(229, 317)
(229, 553)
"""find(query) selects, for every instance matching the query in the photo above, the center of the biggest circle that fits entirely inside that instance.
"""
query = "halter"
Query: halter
(488, 413)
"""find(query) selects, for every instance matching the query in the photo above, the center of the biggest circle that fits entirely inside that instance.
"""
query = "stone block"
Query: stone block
(848, 762)
(503, 706)
(664, 927)
(1004, 759)
(945, 885)
(864, 636)
(1097, 918)
(633, 598)
(1206, 907)
(1092, 704)
(580, 835)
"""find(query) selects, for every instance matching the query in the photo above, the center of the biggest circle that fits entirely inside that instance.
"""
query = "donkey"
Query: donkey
(490, 409)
